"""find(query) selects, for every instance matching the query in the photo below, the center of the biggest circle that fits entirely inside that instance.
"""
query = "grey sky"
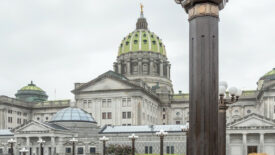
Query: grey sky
(59, 42)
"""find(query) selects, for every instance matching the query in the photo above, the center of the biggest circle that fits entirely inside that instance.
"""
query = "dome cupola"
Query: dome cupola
(31, 93)
(142, 39)
(72, 114)
(142, 56)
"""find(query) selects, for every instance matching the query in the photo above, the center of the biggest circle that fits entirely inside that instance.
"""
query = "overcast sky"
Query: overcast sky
(56, 43)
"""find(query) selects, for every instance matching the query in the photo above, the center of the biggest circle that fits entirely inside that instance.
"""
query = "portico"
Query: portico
(253, 133)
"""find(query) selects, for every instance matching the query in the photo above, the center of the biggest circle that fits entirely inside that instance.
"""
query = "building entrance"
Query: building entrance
(252, 149)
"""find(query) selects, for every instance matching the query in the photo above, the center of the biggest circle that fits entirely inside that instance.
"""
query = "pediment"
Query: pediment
(106, 84)
(252, 120)
(33, 127)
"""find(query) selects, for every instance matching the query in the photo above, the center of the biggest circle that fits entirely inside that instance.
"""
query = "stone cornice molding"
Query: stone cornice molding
(203, 9)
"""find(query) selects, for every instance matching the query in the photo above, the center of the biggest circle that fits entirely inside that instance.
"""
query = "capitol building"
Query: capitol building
(137, 96)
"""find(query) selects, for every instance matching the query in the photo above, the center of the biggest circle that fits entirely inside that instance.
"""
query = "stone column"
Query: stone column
(244, 143)
(203, 74)
(167, 70)
(261, 149)
(28, 141)
(52, 145)
(119, 67)
(115, 66)
(227, 144)
(128, 67)
(161, 68)
(139, 66)
(151, 67)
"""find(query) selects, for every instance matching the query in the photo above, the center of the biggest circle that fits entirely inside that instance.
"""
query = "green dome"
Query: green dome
(31, 93)
(142, 40)
(269, 75)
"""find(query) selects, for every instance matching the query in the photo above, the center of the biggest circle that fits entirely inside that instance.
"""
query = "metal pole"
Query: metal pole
(41, 149)
(104, 149)
(187, 141)
(161, 145)
(12, 149)
(73, 148)
(133, 146)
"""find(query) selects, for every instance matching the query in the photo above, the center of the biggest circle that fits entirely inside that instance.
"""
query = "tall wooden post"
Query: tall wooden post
(203, 74)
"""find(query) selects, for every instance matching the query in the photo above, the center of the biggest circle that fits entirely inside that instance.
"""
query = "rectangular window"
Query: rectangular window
(25, 114)
(167, 149)
(18, 120)
(129, 114)
(68, 150)
(84, 101)
(124, 115)
(124, 102)
(146, 150)
(10, 111)
(128, 102)
(177, 122)
(19, 113)
(163, 116)
(104, 115)
(172, 150)
(92, 150)
(150, 149)
(89, 103)
(80, 150)
(24, 121)
(163, 109)
(104, 104)
(109, 115)
(1, 151)
(109, 103)
(10, 119)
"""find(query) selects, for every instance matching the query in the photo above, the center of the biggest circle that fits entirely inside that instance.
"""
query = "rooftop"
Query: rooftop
(141, 129)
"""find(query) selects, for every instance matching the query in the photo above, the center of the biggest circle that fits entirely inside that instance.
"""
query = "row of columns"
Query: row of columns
(244, 140)
(52, 145)
(140, 68)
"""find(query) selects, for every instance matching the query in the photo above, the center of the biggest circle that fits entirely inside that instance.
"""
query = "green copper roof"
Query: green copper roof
(31, 93)
(269, 75)
(142, 40)
(31, 86)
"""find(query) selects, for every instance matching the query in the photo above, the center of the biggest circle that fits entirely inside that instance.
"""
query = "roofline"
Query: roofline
(73, 121)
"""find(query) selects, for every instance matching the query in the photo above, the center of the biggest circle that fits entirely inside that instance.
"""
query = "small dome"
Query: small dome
(31, 93)
(269, 75)
(72, 114)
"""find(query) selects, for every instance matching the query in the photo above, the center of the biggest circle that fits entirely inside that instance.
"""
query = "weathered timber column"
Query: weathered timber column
(203, 74)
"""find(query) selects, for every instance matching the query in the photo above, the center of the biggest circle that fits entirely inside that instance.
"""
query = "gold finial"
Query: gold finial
(141, 7)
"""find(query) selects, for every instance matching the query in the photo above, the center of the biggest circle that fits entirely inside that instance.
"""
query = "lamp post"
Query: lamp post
(104, 140)
(161, 134)
(73, 140)
(133, 137)
(41, 142)
(11, 142)
(203, 74)
(24, 151)
(223, 106)
(185, 129)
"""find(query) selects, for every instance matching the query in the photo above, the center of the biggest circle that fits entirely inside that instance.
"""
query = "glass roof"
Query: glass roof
(145, 128)
(72, 114)
(5, 132)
